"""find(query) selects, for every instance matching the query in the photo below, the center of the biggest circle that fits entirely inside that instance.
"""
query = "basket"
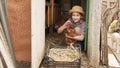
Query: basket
(61, 64)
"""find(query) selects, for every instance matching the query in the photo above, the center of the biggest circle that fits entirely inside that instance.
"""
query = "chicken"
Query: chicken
(70, 32)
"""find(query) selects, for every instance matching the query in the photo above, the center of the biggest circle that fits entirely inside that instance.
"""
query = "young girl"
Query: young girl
(76, 21)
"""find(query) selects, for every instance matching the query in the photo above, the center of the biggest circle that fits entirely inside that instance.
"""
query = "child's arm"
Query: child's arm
(79, 37)
(64, 26)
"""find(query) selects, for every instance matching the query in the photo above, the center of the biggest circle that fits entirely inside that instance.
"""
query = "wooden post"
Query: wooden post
(106, 20)
(38, 31)
(1, 64)
(94, 32)
(48, 14)
(52, 16)
(104, 49)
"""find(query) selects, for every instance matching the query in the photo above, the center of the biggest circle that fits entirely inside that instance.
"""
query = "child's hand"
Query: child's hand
(66, 25)
(62, 27)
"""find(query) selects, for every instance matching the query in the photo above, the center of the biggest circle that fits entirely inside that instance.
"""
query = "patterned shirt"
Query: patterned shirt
(79, 25)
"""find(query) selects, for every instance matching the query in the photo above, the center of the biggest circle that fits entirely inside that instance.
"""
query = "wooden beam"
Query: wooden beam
(104, 49)
(38, 31)
(52, 12)
(1, 64)
(93, 50)
(106, 20)
(48, 15)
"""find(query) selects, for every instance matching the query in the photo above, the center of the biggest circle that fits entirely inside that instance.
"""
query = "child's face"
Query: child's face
(76, 16)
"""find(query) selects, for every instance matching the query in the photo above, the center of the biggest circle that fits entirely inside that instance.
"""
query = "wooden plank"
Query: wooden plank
(1, 64)
(52, 14)
(38, 31)
(106, 20)
(48, 15)
(94, 32)
(104, 49)
(110, 0)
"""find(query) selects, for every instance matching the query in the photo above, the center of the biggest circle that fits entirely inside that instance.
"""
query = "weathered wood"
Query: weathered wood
(104, 50)
(48, 15)
(52, 15)
(38, 32)
(56, 14)
(94, 32)
(106, 20)
(1, 64)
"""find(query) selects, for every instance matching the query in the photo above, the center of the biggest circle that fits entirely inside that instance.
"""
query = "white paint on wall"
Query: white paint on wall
(38, 31)
(6, 54)
(112, 61)
(5, 51)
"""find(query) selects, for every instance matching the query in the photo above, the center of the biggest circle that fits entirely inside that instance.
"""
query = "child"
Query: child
(76, 21)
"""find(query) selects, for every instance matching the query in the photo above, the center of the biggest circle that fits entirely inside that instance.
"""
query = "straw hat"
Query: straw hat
(76, 9)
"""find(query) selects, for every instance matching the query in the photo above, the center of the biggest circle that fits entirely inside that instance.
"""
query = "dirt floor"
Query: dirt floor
(23, 64)
(19, 64)
(58, 39)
